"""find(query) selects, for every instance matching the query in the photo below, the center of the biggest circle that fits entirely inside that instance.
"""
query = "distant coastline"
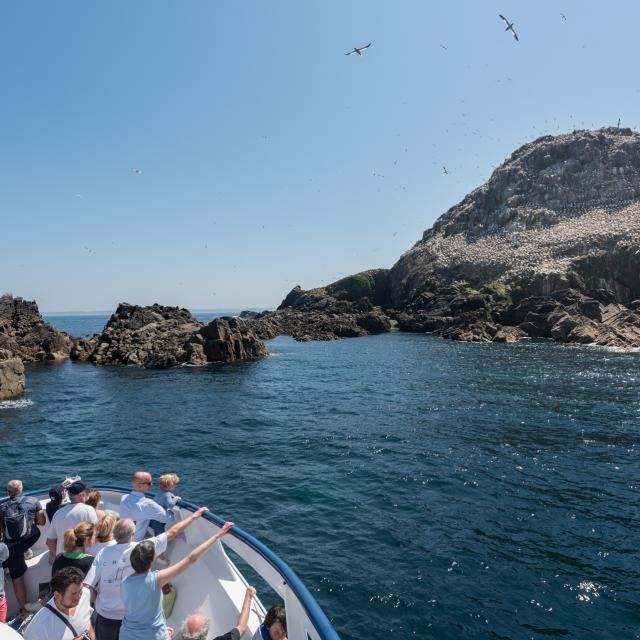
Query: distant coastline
(107, 312)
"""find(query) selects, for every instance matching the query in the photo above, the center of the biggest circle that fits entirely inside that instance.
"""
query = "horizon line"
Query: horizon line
(102, 312)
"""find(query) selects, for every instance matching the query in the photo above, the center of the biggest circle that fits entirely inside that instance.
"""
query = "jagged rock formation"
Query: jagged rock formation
(11, 377)
(555, 231)
(344, 309)
(160, 337)
(24, 333)
(560, 205)
(313, 325)
(25, 337)
(568, 315)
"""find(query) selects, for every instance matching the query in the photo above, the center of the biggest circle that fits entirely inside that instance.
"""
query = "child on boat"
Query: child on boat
(166, 499)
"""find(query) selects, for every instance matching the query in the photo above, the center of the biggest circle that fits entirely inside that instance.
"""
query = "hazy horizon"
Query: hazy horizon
(103, 312)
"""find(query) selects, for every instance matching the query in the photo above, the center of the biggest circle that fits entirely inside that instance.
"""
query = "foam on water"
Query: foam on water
(15, 404)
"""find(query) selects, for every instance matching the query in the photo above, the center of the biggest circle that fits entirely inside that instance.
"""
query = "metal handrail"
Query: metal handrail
(316, 615)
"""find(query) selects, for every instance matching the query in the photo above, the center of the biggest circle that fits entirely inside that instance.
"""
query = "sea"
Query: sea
(420, 488)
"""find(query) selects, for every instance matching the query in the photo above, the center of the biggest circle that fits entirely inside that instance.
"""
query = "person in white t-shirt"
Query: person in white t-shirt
(71, 610)
(68, 516)
(140, 508)
(112, 565)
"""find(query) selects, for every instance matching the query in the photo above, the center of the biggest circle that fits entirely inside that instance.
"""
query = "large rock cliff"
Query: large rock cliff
(548, 247)
(559, 206)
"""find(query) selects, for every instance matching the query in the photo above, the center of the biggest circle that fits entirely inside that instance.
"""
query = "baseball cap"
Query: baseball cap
(77, 487)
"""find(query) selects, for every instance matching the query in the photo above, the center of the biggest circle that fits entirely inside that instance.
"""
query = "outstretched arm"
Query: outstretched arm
(179, 527)
(171, 573)
(243, 620)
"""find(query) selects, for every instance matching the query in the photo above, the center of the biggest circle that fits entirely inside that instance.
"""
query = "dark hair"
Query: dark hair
(276, 614)
(55, 493)
(64, 578)
(142, 556)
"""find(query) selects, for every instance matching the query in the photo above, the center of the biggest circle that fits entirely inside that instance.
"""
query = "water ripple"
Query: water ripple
(419, 487)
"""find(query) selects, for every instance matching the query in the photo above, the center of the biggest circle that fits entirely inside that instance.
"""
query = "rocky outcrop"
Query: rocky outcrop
(561, 214)
(319, 315)
(25, 337)
(161, 337)
(561, 205)
(230, 339)
(25, 334)
(11, 377)
(569, 316)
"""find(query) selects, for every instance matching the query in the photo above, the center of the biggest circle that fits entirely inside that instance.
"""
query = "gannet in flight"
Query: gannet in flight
(509, 26)
(358, 50)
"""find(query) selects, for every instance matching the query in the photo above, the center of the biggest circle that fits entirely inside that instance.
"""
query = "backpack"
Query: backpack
(16, 520)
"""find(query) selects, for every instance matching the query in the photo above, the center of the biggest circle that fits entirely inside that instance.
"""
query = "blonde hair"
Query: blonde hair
(80, 536)
(104, 528)
(168, 480)
(93, 498)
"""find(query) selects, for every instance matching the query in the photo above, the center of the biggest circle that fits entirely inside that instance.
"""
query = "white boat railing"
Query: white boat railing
(305, 618)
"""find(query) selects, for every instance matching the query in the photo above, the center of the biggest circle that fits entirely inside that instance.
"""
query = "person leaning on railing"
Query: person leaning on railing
(112, 565)
(142, 591)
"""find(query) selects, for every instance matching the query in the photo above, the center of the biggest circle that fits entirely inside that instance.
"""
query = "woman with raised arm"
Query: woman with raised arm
(142, 592)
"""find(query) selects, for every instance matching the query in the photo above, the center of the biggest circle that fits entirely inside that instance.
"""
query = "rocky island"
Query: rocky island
(548, 247)
(159, 337)
(25, 337)
(151, 337)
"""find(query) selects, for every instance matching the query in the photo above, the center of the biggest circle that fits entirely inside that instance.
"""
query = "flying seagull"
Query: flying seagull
(563, 17)
(509, 26)
(358, 50)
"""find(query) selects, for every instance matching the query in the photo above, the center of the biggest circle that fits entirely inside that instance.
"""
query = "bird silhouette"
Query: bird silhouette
(358, 50)
(509, 26)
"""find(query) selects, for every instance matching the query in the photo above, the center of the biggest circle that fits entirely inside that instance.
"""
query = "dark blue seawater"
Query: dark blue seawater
(418, 486)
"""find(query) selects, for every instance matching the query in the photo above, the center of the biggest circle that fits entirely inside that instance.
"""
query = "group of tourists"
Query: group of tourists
(105, 581)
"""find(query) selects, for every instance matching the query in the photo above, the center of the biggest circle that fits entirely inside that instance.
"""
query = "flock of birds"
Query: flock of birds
(509, 27)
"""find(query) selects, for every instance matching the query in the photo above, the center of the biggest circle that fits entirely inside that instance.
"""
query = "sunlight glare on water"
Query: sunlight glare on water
(418, 486)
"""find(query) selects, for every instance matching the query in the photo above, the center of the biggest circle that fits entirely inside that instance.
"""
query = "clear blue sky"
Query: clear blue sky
(268, 158)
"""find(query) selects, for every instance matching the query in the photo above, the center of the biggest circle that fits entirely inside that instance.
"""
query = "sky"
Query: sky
(214, 154)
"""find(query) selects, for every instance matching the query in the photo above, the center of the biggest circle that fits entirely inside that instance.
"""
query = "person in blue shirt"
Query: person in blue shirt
(141, 592)
(167, 500)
